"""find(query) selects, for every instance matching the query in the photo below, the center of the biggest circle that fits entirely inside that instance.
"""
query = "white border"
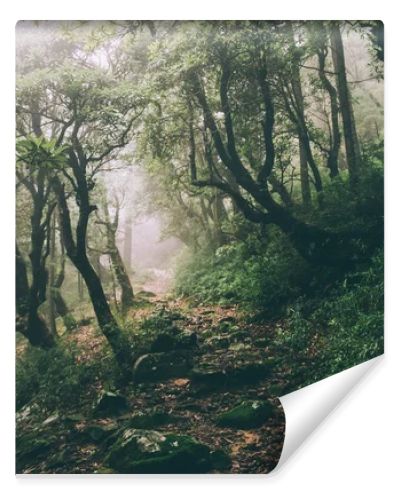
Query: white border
(353, 455)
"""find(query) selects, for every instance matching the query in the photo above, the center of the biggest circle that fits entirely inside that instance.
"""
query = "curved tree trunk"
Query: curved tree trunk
(103, 313)
(60, 306)
(121, 274)
(127, 297)
(76, 251)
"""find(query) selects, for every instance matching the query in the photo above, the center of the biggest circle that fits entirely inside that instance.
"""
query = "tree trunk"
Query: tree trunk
(353, 153)
(76, 251)
(80, 287)
(305, 153)
(105, 319)
(314, 244)
(28, 320)
(127, 297)
(52, 273)
(218, 211)
(333, 154)
(128, 245)
(121, 275)
(304, 180)
(61, 308)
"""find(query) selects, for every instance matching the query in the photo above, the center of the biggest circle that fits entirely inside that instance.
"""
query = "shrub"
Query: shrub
(56, 378)
(264, 273)
(343, 329)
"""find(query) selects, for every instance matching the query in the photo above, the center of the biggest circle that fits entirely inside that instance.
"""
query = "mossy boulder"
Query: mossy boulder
(247, 415)
(32, 448)
(166, 342)
(210, 374)
(97, 433)
(151, 420)
(152, 452)
(153, 367)
(110, 404)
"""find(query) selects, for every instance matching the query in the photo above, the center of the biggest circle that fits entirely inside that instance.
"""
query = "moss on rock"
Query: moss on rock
(247, 415)
(152, 452)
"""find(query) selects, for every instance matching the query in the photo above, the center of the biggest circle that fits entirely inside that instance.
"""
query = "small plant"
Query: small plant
(57, 378)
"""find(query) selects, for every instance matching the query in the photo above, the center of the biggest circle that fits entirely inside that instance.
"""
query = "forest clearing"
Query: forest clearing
(199, 232)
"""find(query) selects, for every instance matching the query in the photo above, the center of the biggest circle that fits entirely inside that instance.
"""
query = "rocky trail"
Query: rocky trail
(203, 400)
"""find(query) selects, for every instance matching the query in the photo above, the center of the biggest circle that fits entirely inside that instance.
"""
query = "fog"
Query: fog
(149, 255)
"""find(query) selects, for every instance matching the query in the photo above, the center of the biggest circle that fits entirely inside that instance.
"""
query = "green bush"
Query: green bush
(55, 378)
(343, 329)
(263, 273)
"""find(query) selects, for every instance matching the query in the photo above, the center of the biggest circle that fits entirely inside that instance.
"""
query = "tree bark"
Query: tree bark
(52, 273)
(28, 320)
(333, 153)
(121, 275)
(305, 154)
(353, 153)
(127, 297)
(76, 251)
(314, 244)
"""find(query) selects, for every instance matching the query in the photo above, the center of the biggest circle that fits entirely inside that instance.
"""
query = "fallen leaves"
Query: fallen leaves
(181, 382)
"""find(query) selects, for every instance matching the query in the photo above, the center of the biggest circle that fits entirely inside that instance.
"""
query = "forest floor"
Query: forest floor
(230, 364)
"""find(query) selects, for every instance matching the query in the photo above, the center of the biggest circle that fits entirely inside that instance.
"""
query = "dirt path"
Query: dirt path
(229, 351)
(158, 282)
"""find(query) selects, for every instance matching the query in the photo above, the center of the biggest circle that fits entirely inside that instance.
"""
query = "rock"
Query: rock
(162, 366)
(110, 404)
(97, 433)
(247, 415)
(221, 461)
(212, 376)
(152, 452)
(32, 448)
(252, 372)
(51, 419)
(163, 343)
(25, 412)
(150, 420)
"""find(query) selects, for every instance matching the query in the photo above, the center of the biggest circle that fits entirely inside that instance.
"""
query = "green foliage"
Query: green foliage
(260, 273)
(326, 335)
(60, 378)
(40, 152)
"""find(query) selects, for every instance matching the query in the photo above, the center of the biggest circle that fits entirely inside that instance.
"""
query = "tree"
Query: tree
(218, 70)
(353, 153)
(35, 159)
(90, 116)
(119, 269)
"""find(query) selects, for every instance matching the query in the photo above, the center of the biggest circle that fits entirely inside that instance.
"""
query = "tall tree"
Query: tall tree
(353, 153)
(118, 266)
(35, 158)
(235, 90)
